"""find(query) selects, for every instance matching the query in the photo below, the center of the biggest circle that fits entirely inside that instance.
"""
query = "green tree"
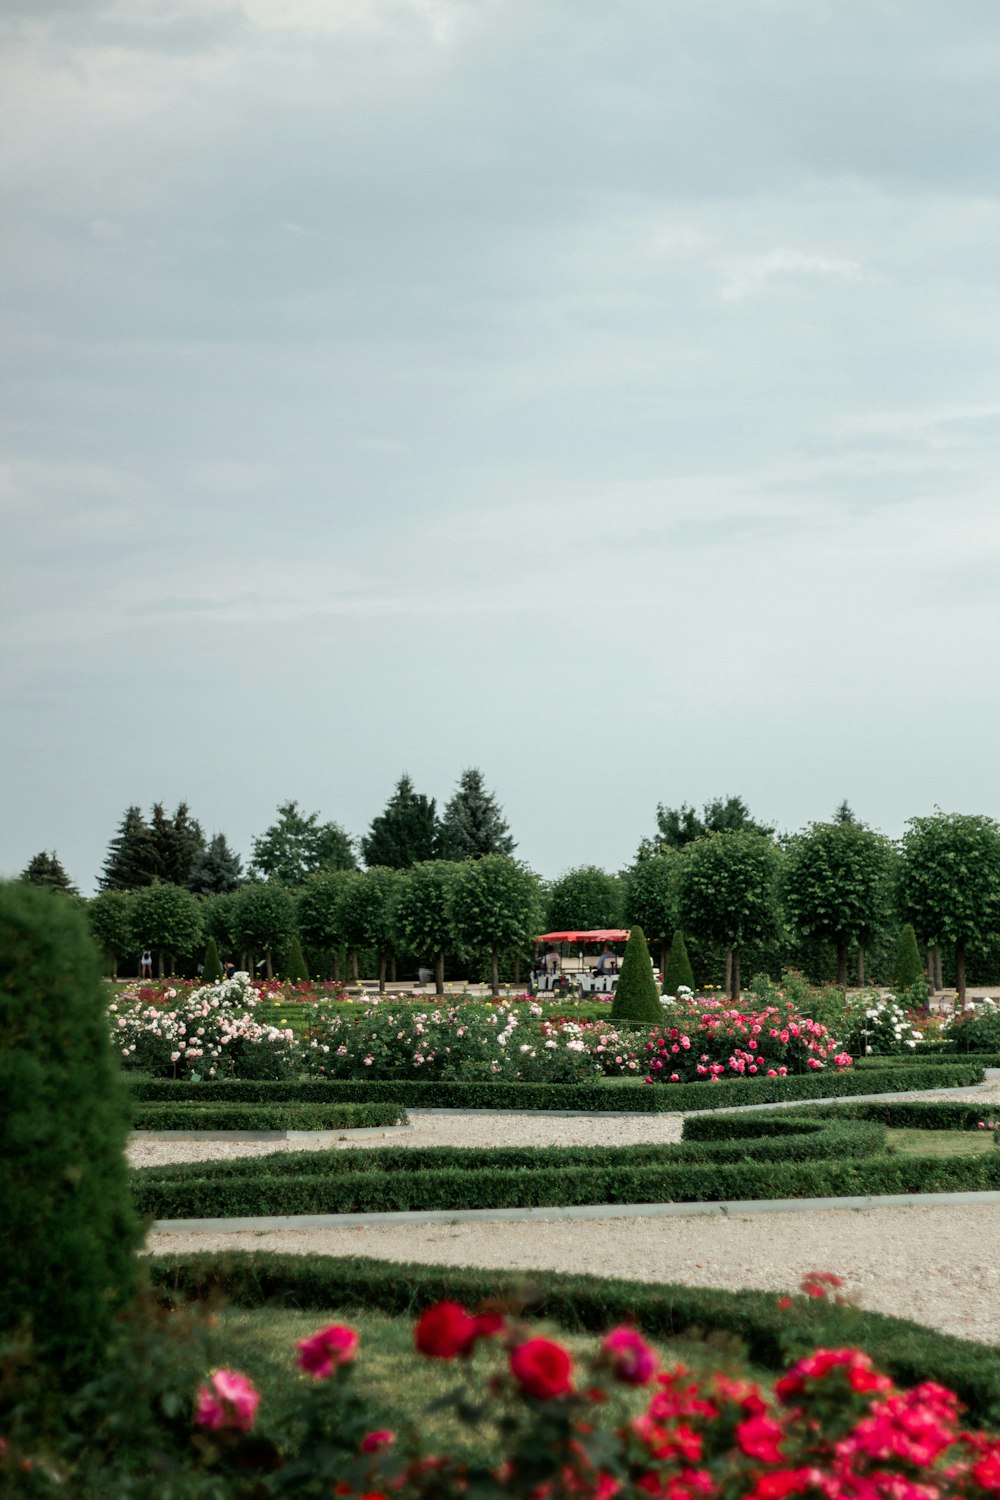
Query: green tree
(131, 861)
(678, 972)
(473, 824)
(168, 919)
(366, 911)
(908, 969)
(637, 997)
(297, 844)
(680, 826)
(495, 907)
(949, 882)
(211, 968)
(45, 869)
(215, 869)
(728, 893)
(110, 916)
(422, 919)
(294, 965)
(219, 918)
(834, 883)
(263, 920)
(405, 833)
(67, 1262)
(583, 898)
(178, 842)
(318, 913)
(651, 899)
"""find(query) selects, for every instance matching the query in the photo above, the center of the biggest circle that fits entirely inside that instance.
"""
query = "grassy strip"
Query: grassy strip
(593, 1304)
(281, 1116)
(607, 1096)
(263, 1193)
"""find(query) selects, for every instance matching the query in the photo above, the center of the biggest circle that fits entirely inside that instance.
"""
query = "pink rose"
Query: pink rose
(229, 1400)
(632, 1360)
(323, 1351)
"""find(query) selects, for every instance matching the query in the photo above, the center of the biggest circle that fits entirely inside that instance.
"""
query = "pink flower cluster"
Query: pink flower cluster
(716, 1040)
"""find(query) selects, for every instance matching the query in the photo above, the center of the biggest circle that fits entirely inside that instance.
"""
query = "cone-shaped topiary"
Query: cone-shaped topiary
(211, 969)
(637, 997)
(294, 967)
(908, 966)
(64, 1120)
(679, 972)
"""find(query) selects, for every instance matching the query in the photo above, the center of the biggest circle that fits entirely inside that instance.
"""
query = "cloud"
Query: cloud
(753, 274)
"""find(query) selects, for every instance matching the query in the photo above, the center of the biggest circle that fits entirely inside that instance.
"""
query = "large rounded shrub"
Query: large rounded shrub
(66, 1257)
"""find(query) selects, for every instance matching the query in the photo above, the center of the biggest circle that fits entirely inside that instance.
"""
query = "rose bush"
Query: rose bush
(877, 1025)
(208, 1032)
(708, 1039)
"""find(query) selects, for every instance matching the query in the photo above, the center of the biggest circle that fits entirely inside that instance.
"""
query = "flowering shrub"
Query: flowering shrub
(976, 1028)
(207, 1033)
(878, 1025)
(709, 1039)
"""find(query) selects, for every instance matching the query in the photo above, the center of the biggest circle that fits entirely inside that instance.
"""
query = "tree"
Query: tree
(678, 973)
(110, 916)
(263, 919)
(45, 869)
(636, 998)
(582, 898)
(834, 882)
(422, 919)
(844, 813)
(678, 827)
(727, 893)
(132, 860)
(317, 907)
(651, 898)
(211, 968)
(495, 906)
(405, 833)
(365, 913)
(219, 918)
(215, 869)
(908, 968)
(178, 842)
(949, 882)
(297, 844)
(67, 1258)
(473, 824)
(294, 966)
(168, 919)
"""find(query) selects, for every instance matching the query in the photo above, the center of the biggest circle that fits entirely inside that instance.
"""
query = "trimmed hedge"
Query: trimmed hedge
(931, 1059)
(629, 1096)
(281, 1116)
(592, 1304)
(903, 1114)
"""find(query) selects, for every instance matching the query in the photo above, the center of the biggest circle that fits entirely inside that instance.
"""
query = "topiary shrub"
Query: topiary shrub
(294, 967)
(909, 968)
(64, 1119)
(637, 997)
(679, 973)
(211, 969)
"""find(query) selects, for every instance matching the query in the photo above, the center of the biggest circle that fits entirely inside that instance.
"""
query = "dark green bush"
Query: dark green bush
(211, 969)
(66, 1262)
(908, 968)
(294, 967)
(280, 1116)
(679, 972)
(637, 997)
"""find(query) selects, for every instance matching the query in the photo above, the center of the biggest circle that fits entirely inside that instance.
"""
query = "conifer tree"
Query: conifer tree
(473, 824)
(211, 969)
(294, 967)
(132, 860)
(908, 967)
(216, 869)
(405, 833)
(636, 998)
(45, 869)
(679, 972)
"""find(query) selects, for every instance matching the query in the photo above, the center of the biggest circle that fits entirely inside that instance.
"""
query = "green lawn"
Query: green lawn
(941, 1142)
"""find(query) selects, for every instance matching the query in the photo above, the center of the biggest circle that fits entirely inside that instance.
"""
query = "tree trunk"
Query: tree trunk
(439, 974)
(517, 969)
(336, 965)
(354, 965)
(960, 973)
(861, 966)
(494, 973)
(114, 965)
(268, 970)
(171, 966)
(737, 986)
(729, 974)
(159, 964)
(938, 975)
(381, 971)
(243, 962)
(392, 967)
(663, 963)
(842, 963)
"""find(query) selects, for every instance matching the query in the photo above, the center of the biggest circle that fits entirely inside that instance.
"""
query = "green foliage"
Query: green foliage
(421, 916)
(211, 969)
(494, 906)
(287, 1115)
(297, 844)
(678, 827)
(216, 869)
(728, 888)
(66, 1259)
(976, 1029)
(473, 824)
(584, 898)
(166, 918)
(46, 870)
(834, 883)
(294, 966)
(132, 860)
(365, 909)
(405, 833)
(949, 881)
(263, 917)
(651, 896)
(679, 973)
(909, 969)
(110, 916)
(219, 918)
(318, 910)
(637, 997)
(178, 841)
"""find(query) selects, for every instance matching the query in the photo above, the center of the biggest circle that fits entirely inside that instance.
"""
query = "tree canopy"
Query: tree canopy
(677, 827)
(949, 881)
(46, 870)
(216, 869)
(132, 860)
(296, 844)
(405, 833)
(584, 897)
(728, 890)
(495, 907)
(834, 883)
(473, 824)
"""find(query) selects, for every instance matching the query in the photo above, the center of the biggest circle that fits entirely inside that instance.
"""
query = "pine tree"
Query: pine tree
(473, 824)
(294, 966)
(45, 869)
(679, 972)
(636, 998)
(405, 833)
(908, 968)
(215, 870)
(211, 969)
(132, 860)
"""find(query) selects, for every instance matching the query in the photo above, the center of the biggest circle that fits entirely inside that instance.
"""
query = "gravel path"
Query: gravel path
(936, 1265)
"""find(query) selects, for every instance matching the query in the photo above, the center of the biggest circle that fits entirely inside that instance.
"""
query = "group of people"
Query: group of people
(606, 964)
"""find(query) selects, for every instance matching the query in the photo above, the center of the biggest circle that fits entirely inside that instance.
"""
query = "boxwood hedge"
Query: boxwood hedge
(279, 1116)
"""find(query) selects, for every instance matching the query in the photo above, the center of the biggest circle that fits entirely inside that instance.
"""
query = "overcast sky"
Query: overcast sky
(603, 394)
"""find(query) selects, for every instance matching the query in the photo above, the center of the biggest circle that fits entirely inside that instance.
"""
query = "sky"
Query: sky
(605, 396)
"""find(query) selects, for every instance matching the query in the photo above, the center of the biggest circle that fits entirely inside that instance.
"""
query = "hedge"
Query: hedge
(592, 1304)
(629, 1096)
(282, 1116)
(921, 1058)
(902, 1114)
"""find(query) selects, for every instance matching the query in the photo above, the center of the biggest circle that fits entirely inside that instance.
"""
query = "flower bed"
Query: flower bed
(208, 1032)
(705, 1040)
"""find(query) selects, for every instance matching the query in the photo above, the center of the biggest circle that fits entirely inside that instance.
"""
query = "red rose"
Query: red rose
(445, 1331)
(542, 1369)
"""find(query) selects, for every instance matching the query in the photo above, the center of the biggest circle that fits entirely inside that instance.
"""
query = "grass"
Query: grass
(402, 1384)
(940, 1142)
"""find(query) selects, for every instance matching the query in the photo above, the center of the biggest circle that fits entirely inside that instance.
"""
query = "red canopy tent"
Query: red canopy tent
(591, 935)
